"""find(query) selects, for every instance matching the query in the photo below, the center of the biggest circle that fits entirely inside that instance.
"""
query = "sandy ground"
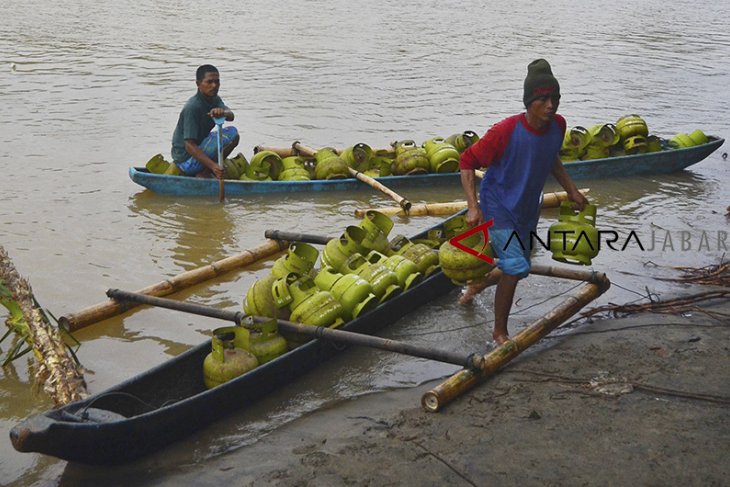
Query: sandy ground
(642, 400)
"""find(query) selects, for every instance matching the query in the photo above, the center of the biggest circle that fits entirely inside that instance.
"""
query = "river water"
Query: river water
(90, 88)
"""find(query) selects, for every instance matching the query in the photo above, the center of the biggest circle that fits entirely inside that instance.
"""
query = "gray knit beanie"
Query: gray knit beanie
(539, 82)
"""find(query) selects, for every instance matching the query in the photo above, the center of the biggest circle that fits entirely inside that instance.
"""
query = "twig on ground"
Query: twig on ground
(592, 385)
(676, 306)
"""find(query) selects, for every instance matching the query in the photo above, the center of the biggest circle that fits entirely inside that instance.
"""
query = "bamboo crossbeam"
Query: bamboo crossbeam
(435, 399)
(568, 273)
(466, 360)
(281, 151)
(550, 200)
(109, 308)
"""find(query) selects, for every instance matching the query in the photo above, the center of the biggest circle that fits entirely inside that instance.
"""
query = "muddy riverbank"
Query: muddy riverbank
(640, 400)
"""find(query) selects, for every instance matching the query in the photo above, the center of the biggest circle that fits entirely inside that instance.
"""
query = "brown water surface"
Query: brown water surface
(90, 88)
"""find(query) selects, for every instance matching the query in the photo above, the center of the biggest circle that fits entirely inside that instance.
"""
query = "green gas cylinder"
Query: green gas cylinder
(353, 292)
(442, 156)
(300, 258)
(463, 140)
(698, 137)
(227, 360)
(264, 165)
(377, 226)
(330, 165)
(631, 126)
(312, 306)
(410, 159)
(358, 157)
(635, 144)
(574, 238)
(264, 340)
(405, 270)
(574, 144)
(653, 143)
(603, 135)
(157, 164)
(383, 281)
(259, 298)
(425, 258)
(337, 250)
(293, 169)
(308, 305)
(459, 265)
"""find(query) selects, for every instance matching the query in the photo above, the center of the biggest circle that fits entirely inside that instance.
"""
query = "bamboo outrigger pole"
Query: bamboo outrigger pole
(597, 283)
(402, 202)
(298, 148)
(465, 360)
(109, 308)
(297, 237)
(550, 200)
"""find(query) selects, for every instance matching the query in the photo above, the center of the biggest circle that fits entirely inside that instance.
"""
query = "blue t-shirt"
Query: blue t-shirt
(194, 123)
(519, 160)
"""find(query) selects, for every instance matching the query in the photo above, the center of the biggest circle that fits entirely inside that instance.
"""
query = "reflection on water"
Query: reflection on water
(98, 87)
(200, 232)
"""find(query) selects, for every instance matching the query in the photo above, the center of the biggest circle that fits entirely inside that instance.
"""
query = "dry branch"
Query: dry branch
(674, 306)
(715, 275)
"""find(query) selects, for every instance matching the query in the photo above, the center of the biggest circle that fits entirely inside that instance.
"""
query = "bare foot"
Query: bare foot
(467, 295)
(501, 339)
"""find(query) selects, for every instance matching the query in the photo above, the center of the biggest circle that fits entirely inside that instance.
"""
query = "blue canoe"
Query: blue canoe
(663, 162)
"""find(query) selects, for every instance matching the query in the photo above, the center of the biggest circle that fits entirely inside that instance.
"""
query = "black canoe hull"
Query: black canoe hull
(182, 403)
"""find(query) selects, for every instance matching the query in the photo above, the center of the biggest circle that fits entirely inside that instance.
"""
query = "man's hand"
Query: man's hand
(217, 112)
(473, 217)
(217, 171)
(578, 199)
(221, 112)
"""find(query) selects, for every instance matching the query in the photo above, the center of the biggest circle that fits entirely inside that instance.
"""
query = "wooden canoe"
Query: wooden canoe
(170, 401)
(663, 162)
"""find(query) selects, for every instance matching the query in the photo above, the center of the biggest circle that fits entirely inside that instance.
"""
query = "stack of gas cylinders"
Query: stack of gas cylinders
(435, 155)
(629, 135)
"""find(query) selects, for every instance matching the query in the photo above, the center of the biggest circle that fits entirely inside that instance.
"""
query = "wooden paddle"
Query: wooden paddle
(468, 361)
(221, 185)
(402, 202)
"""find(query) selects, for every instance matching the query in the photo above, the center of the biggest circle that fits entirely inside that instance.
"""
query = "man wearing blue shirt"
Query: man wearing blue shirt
(521, 152)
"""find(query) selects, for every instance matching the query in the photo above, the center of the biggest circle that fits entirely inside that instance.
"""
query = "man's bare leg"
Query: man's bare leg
(502, 305)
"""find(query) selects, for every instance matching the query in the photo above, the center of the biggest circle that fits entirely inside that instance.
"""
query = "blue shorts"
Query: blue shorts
(514, 260)
(209, 145)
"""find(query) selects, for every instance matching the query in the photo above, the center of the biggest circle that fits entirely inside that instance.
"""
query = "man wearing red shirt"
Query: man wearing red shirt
(520, 151)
